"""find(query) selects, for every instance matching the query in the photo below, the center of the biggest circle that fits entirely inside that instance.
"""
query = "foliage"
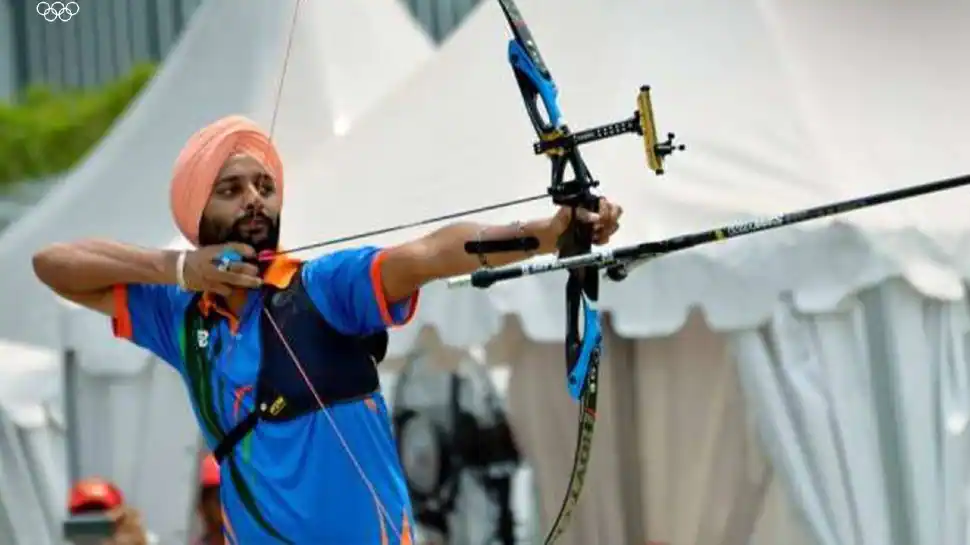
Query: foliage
(48, 132)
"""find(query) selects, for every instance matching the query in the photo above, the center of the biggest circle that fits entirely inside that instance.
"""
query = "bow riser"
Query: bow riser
(583, 352)
(583, 330)
(583, 336)
(535, 85)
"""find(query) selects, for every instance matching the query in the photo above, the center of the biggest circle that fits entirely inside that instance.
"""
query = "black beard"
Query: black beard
(211, 234)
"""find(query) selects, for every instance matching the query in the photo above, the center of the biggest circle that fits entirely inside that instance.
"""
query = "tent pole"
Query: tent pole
(71, 419)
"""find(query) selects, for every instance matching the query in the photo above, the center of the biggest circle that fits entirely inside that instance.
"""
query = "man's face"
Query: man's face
(244, 207)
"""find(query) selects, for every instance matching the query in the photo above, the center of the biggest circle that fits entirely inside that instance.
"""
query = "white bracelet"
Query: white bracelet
(180, 269)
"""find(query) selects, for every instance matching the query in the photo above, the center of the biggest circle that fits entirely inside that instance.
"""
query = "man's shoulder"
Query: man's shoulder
(163, 297)
(345, 254)
(342, 265)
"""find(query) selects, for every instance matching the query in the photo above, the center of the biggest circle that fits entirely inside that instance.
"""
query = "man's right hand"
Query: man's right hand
(202, 272)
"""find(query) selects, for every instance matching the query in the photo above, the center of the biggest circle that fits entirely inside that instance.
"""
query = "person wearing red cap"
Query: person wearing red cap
(97, 495)
(94, 495)
(208, 505)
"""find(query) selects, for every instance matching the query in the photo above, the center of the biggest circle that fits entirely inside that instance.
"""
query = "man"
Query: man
(208, 505)
(98, 496)
(323, 476)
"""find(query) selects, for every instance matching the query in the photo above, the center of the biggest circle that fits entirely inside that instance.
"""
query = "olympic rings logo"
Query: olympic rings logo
(55, 11)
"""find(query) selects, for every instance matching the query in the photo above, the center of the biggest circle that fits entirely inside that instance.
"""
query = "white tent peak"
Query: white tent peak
(229, 60)
(357, 50)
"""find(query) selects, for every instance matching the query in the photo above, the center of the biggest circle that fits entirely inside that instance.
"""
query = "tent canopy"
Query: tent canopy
(773, 121)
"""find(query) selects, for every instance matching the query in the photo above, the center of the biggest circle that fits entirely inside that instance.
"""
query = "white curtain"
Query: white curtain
(704, 478)
(864, 409)
(675, 458)
(34, 482)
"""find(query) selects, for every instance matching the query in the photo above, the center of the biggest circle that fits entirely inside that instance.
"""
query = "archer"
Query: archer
(265, 343)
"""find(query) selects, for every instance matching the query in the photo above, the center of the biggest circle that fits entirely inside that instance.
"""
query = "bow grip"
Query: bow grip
(578, 237)
(535, 84)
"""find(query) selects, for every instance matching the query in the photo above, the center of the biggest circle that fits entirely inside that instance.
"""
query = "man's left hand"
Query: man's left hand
(605, 221)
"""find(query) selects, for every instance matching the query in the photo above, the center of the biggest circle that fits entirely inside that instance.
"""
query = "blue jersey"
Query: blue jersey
(327, 477)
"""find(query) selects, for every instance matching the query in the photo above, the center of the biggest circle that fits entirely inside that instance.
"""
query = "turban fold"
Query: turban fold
(198, 165)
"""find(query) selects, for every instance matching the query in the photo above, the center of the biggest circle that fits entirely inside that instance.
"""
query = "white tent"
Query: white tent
(783, 106)
(344, 57)
(32, 448)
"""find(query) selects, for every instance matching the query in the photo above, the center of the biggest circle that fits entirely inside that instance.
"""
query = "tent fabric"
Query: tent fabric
(867, 407)
(776, 117)
(675, 455)
(763, 135)
(32, 444)
(137, 427)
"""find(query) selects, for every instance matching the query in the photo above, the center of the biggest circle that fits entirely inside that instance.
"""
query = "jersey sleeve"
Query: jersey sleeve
(149, 316)
(346, 288)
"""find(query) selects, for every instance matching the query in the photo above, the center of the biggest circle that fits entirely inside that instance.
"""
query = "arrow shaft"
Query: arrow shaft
(647, 250)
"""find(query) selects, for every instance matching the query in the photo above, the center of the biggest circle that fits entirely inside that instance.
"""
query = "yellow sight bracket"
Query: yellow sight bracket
(641, 123)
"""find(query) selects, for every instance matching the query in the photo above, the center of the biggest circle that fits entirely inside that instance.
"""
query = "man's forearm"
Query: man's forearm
(94, 265)
(445, 253)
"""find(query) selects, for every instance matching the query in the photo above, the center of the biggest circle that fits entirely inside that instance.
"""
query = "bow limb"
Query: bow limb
(582, 361)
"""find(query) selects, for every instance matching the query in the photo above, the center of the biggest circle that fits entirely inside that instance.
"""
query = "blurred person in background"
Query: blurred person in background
(264, 344)
(99, 496)
(208, 506)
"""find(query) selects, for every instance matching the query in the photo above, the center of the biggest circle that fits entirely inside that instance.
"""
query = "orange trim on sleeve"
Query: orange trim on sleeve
(121, 321)
(378, 283)
(280, 272)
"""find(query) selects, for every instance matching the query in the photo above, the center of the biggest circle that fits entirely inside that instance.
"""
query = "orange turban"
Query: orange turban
(198, 165)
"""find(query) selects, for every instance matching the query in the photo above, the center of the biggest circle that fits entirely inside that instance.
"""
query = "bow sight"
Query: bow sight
(641, 123)
(560, 145)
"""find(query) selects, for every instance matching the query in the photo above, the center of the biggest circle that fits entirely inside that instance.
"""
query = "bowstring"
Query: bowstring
(408, 225)
(333, 423)
(279, 332)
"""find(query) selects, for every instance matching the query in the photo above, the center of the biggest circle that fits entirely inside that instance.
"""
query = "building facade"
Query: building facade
(106, 37)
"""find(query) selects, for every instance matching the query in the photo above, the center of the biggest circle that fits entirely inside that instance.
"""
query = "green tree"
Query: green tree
(48, 132)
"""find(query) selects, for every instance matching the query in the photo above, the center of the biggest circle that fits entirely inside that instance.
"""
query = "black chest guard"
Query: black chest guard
(342, 368)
